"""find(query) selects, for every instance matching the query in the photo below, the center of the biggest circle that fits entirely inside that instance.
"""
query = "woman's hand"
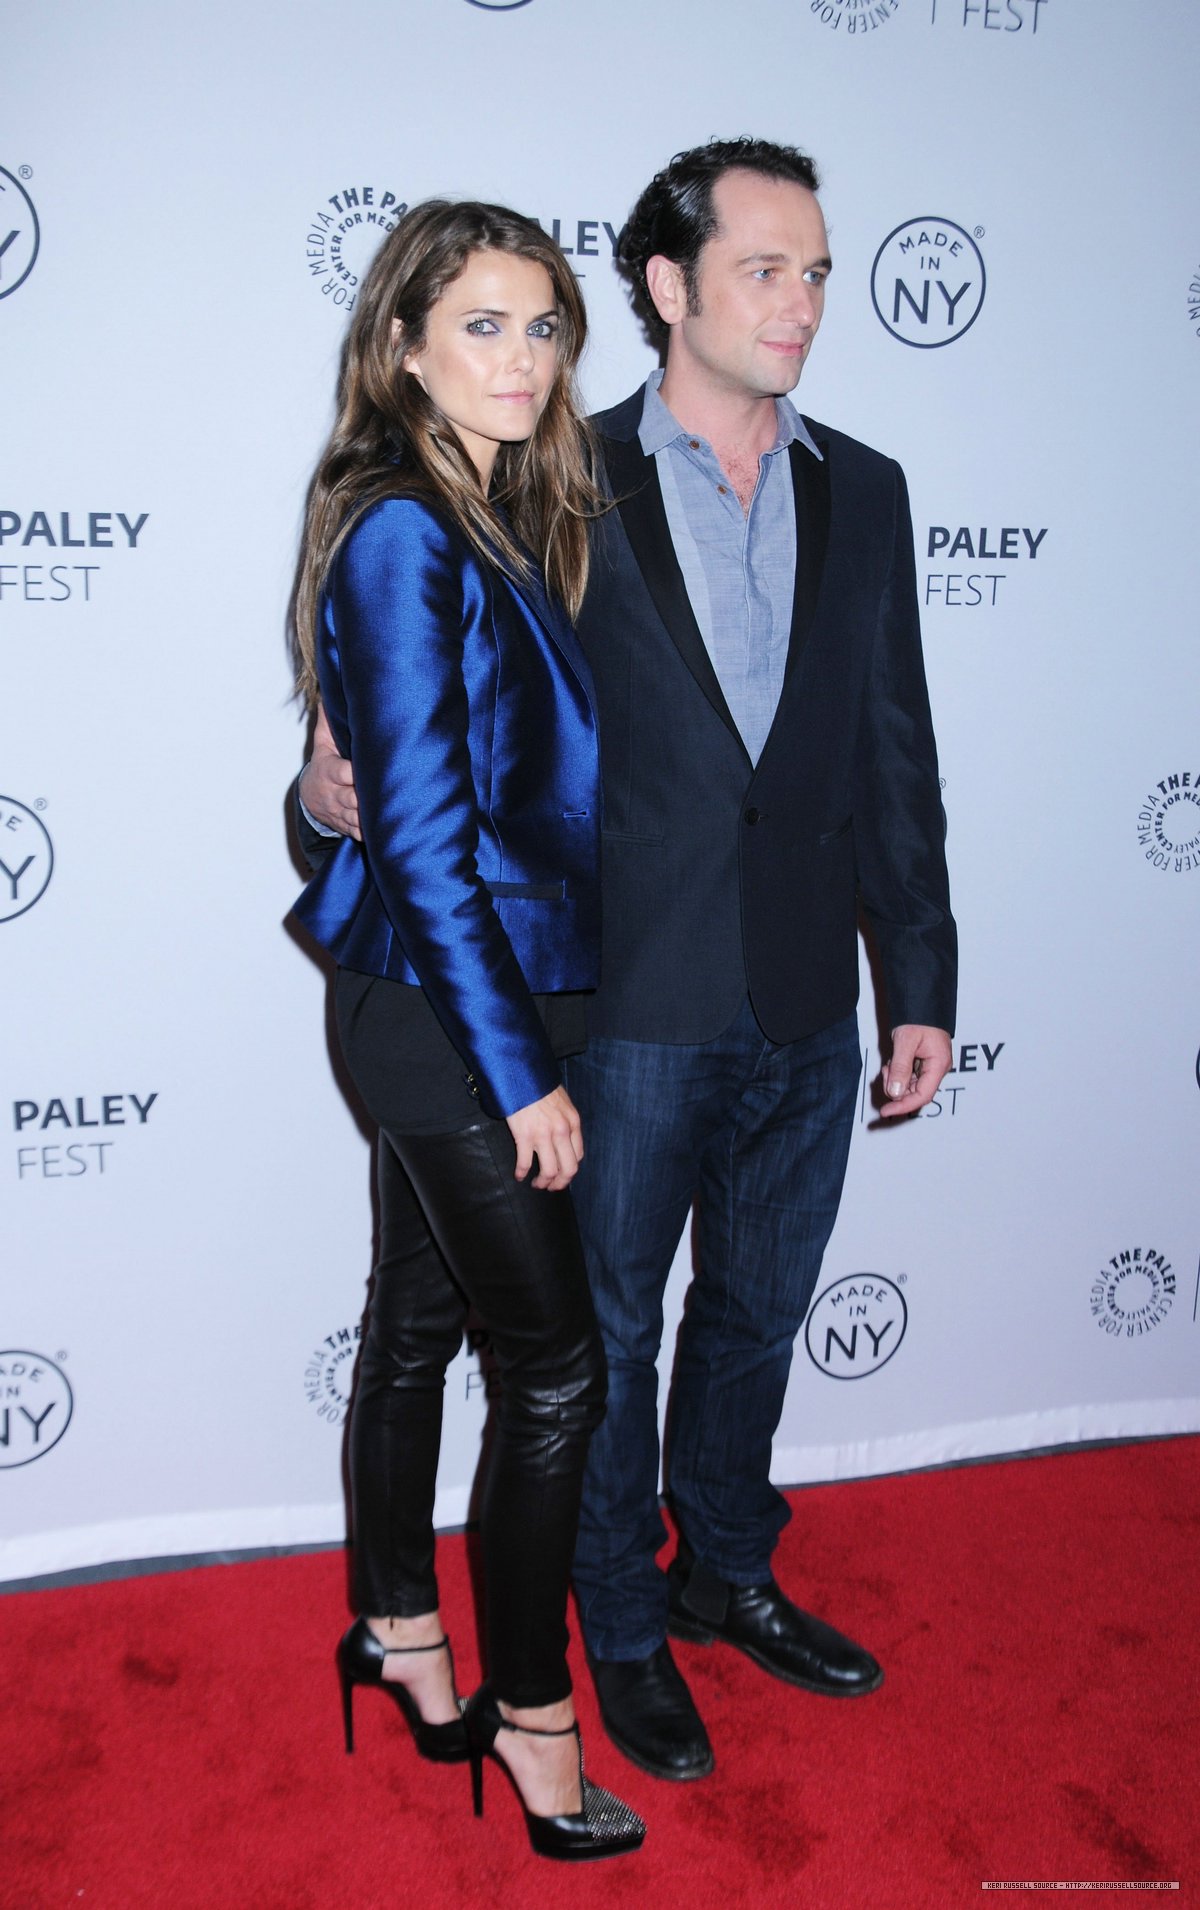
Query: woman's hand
(549, 1128)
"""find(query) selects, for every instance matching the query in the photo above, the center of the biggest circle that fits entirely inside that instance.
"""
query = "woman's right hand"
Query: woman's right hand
(551, 1129)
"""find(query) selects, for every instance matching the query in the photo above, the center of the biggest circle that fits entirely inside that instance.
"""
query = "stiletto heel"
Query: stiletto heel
(347, 1703)
(360, 1658)
(603, 1827)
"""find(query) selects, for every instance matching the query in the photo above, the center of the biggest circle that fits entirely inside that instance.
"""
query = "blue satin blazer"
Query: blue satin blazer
(466, 705)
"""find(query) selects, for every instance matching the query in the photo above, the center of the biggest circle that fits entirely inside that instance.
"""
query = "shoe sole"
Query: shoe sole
(670, 1773)
(698, 1635)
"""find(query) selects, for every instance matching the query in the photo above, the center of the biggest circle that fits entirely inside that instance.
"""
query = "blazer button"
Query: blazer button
(752, 816)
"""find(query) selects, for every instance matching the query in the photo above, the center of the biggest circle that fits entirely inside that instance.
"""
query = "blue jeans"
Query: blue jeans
(757, 1134)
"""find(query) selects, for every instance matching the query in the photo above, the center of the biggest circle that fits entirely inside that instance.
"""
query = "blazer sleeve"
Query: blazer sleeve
(395, 665)
(899, 823)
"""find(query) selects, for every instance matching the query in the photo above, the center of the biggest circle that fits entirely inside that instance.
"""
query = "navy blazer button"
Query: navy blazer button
(752, 815)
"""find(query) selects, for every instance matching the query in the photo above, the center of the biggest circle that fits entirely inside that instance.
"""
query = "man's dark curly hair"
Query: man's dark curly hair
(675, 214)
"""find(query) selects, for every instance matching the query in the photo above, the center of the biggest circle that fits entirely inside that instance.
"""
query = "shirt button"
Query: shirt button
(723, 489)
(695, 443)
(752, 816)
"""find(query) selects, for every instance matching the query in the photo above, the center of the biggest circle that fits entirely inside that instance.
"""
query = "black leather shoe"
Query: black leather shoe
(763, 1622)
(648, 1713)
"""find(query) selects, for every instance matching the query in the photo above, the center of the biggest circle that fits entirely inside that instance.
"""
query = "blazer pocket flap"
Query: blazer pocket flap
(834, 835)
(528, 891)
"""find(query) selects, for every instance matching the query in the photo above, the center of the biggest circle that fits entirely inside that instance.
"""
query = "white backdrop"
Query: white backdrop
(184, 1193)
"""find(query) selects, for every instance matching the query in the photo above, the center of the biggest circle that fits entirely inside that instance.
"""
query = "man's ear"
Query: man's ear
(667, 288)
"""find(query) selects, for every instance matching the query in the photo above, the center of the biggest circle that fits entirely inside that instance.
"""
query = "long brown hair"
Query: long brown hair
(391, 440)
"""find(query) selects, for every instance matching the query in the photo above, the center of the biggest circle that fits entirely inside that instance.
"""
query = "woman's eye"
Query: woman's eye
(481, 327)
(543, 328)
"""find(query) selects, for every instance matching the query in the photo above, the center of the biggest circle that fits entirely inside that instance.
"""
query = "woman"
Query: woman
(446, 526)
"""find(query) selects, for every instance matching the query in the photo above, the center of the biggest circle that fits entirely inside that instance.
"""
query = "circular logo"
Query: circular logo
(329, 1375)
(1169, 824)
(36, 1404)
(855, 1326)
(928, 282)
(26, 858)
(20, 234)
(344, 237)
(856, 17)
(1135, 1291)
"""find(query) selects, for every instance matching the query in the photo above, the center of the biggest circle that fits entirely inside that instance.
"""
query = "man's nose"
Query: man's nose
(801, 307)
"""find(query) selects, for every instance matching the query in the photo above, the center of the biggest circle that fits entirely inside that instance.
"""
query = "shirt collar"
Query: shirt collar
(660, 427)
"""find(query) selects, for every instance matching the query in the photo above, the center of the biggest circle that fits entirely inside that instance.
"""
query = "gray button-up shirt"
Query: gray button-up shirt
(739, 567)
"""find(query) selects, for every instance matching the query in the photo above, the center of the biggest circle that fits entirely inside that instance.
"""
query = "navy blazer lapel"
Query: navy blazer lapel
(633, 478)
(810, 494)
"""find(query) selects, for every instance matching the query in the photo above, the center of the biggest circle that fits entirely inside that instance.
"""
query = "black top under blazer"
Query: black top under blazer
(719, 876)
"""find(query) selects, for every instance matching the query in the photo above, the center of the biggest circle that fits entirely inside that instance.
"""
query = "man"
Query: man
(751, 623)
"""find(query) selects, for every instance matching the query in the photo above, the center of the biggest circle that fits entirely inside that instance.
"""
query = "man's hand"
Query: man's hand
(327, 783)
(549, 1128)
(920, 1057)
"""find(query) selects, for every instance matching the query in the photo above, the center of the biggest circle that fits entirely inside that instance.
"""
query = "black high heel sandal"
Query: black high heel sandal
(603, 1828)
(360, 1657)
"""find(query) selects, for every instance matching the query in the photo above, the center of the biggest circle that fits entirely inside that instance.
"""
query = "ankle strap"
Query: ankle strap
(531, 1731)
(389, 1651)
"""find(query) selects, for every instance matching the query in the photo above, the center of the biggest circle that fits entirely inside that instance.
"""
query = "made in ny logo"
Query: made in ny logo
(26, 857)
(36, 1404)
(1169, 824)
(344, 237)
(20, 234)
(928, 282)
(856, 1325)
(855, 18)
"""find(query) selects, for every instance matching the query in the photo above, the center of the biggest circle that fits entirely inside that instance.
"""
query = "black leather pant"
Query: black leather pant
(456, 1228)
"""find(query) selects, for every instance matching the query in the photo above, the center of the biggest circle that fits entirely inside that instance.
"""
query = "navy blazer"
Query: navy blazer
(721, 876)
(466, 705)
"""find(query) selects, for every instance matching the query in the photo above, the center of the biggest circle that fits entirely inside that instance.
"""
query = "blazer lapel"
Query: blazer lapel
(810, 493)
(634, 481)
(554, 621)
(534, 599)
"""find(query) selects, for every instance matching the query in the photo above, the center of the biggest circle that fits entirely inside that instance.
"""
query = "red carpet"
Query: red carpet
(175, 1740)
